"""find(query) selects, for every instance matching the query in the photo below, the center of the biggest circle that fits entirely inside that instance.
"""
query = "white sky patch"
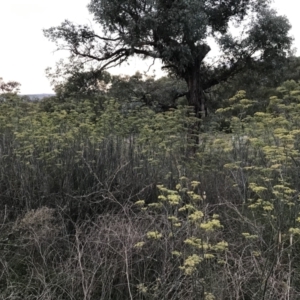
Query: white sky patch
(25, 53)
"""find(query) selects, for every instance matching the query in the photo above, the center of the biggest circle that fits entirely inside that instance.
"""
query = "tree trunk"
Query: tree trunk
(195, 94)
(195, 97)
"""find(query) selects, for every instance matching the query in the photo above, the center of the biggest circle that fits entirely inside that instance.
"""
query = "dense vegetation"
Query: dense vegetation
(103, 198)
(184, 187)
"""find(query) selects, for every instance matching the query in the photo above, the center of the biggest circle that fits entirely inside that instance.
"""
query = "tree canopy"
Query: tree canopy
(180, 33)
(9, 86)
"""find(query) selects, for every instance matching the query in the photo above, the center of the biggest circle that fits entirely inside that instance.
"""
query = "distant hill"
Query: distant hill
(38, 96)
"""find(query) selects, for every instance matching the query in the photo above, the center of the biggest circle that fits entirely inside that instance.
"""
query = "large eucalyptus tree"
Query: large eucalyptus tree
(180, 33)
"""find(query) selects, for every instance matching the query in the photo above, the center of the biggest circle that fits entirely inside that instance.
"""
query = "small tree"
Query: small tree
(9, 87)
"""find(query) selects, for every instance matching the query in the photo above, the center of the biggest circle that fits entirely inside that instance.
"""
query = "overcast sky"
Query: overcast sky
(25, 53)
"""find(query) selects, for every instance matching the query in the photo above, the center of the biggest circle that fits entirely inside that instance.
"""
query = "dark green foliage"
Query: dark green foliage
(81, 84)
(160, 95)
(177, 32)
(260, 83)
(9, 87)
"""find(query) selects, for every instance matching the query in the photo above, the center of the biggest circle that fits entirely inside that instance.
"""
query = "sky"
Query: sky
(25, 53)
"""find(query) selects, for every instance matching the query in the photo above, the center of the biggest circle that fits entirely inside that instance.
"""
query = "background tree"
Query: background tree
(9, 86)
(142, 90)
(78, 83)
(179, 33)
(261, 83)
